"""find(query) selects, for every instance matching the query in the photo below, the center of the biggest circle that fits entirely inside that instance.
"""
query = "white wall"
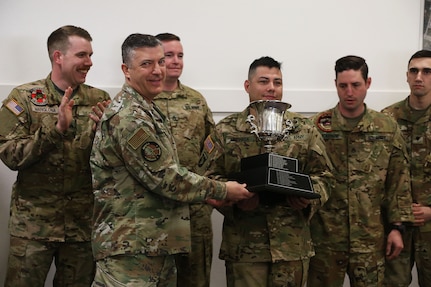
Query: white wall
(220, 39)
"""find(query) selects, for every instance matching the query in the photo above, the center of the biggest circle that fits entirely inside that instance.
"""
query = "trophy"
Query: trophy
(269, 172)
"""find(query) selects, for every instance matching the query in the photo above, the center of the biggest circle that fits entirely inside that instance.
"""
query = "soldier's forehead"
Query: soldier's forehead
(420, 63)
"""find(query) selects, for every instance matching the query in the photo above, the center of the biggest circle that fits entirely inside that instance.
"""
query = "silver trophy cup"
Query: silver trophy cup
(268, 124)
(271, 174)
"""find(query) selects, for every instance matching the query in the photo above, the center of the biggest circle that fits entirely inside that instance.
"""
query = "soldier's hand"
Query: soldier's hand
(298, 202)
(237, 191)
(219, 203)
(65, 111)
(97, 113)
(421, 213)
(394, 244)
(249, 204)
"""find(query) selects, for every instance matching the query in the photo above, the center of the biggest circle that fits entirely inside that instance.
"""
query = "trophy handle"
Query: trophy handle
(289, 127)
(253, 130)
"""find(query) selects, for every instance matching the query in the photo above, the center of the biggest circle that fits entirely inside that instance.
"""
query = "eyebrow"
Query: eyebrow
(418, 69)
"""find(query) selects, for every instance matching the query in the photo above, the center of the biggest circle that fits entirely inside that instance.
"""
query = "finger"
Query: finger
(388, 250)
(67, 93)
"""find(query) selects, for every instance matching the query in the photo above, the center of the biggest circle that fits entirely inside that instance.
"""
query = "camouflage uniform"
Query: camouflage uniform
(190, 122)
(52, 194)
(140, 189)
(372, 187)
(274, 233)
(417, 240)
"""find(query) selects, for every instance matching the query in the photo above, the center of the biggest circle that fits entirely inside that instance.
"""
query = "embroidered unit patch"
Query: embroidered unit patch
(38, 97)
(151, 151)
(324, 122)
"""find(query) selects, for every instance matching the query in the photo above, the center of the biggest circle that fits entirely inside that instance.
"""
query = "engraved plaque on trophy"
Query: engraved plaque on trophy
(269, 172)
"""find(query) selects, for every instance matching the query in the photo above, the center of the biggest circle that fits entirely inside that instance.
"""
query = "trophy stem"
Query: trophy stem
(269, 148)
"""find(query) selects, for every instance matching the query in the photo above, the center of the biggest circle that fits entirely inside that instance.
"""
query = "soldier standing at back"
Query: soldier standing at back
(413, 115)
(190, 121)
(47, 138)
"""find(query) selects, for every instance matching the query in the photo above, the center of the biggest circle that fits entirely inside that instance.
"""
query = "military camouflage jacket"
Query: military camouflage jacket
(418, 139)
(52, 195)
(273, 231)
(190, 122)
(139, 187)
(372, 182)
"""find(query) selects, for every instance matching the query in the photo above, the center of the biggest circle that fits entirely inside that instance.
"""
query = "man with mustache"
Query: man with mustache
(46, 134)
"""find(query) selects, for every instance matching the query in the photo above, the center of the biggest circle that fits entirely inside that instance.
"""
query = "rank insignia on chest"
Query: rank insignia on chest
(324, 122)
(38, 97)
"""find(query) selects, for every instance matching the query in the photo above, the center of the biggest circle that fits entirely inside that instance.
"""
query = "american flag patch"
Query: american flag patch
(138, 138)
(14, 107)
(209, 144)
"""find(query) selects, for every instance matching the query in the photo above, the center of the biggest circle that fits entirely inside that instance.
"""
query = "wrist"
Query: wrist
(400, 227)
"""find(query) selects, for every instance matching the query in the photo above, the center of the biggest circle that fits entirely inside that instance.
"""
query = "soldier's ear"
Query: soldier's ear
(57, 56)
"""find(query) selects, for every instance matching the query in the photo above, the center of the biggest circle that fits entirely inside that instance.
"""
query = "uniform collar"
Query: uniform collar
(177, 93)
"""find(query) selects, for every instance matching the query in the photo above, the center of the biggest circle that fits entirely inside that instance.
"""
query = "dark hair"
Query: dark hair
(420, 54)
(167, 37)
(59, 39)
(134, 41)
(262, 62)
(351, 63)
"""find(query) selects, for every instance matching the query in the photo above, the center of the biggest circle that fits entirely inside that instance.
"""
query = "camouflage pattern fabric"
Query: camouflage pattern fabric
(135, 271)
(274, 231)
(258, 274)
(328, 268)
(372, 184)
(398, 271)
(417, 134)
(190, 121)
(141, 191)
(52, 194)
(29, 263)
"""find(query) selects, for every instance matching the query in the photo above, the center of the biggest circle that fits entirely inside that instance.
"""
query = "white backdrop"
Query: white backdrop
(220, 38)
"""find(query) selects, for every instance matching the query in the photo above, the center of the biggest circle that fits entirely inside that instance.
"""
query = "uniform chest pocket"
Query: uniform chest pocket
(369, 155)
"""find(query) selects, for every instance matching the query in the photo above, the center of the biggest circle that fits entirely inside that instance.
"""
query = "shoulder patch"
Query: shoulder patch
(209, 144)
(138, 138)
(14, 107)
(38, 97)
(151, 151)
(324, 121)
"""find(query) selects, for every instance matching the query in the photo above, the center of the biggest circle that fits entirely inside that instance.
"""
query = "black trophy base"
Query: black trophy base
(272, 180)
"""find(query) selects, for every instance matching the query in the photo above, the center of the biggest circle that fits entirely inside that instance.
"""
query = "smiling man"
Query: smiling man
(47, 138)
(142, 193)
(190, 121)
(266, 239)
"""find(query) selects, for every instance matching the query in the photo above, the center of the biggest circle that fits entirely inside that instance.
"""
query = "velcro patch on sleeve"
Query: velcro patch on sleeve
(14, 107)
(138, 138)
(209, 144)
